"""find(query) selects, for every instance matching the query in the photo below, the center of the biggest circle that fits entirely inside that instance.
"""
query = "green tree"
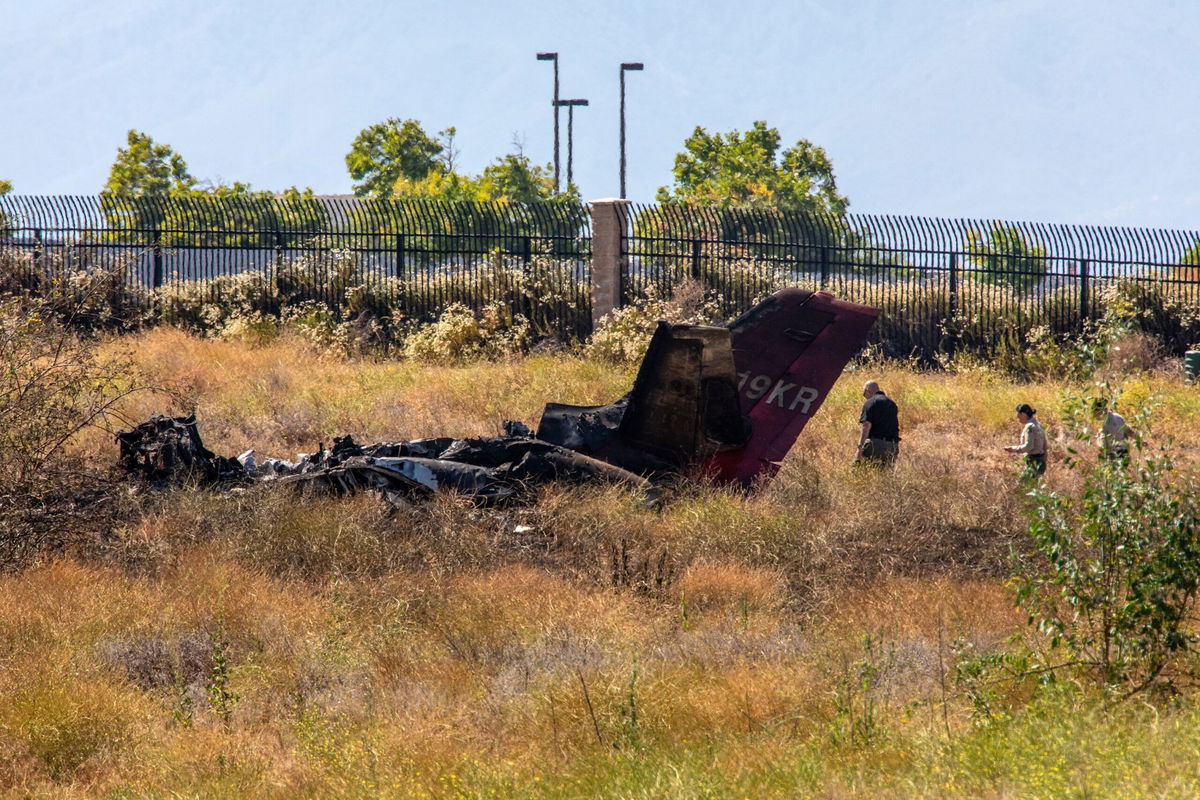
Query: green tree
(514, 178)
(758, 198)
(509, 179)
(1189, 265)
(1006, 257)
(749, 170)
(150, 187)
(391, 151)
(142, 175)
(236, 215)
(145, 168)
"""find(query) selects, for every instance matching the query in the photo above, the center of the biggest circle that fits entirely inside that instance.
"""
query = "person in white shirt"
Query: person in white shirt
(1033, 441)
(1113, 436)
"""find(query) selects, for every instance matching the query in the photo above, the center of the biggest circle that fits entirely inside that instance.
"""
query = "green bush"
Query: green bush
(1114, 570)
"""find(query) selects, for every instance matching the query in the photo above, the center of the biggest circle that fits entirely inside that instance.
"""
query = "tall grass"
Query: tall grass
(799, 640)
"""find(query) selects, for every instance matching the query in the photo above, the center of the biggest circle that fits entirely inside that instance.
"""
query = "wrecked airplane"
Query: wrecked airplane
(723, 402)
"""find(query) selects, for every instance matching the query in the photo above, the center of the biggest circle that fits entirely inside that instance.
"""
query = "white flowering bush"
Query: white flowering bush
(460, 335)
(624, 334)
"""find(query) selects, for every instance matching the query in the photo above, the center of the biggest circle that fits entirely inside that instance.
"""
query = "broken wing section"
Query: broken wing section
(789, 351)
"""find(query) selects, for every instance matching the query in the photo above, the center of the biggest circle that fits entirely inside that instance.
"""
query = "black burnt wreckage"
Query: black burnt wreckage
(725, 402)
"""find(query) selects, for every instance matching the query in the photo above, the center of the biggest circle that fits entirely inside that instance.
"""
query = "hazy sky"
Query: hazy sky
(1058, 110)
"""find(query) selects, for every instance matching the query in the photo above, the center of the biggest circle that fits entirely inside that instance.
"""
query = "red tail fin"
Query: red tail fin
(789, 351)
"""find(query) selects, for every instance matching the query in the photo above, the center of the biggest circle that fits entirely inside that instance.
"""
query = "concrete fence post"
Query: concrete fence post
(610, 221)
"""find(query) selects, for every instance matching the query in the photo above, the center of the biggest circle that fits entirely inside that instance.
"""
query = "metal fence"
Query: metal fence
(407, 258)
(940, 284)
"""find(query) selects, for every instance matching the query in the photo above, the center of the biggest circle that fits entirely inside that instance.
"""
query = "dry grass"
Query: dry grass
(713, 648)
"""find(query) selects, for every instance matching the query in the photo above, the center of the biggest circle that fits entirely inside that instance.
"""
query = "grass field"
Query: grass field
(800, 641)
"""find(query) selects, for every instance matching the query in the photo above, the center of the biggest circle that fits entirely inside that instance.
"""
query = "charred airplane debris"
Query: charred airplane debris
(727, 402)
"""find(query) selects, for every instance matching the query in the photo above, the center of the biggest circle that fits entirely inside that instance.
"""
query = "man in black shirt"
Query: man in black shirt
(879, 442)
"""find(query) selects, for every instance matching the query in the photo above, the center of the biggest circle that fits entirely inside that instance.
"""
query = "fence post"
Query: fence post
(400, 256)
(526, 294)
(39, 265)
(610, 218)
(156, 277)
(695, 259)
(399, 275)
(952, 303)
(824, 266)
(1084, 310)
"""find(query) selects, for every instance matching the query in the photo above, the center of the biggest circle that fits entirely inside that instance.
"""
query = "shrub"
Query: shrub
(1114, 573)
(87, 297)
(52, 386)
(459, 336)
(624, 334)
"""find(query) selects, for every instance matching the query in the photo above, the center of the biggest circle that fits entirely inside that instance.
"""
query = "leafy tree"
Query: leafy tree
(149, 187)
(1005, 257)
(145, 168)
(482, 206)
(391, 151)
(143, 173)
(749, 170)
(398, 161)
(236, 215)
(515, 179)
(509, 179)
(1189, 264)
(758, 198)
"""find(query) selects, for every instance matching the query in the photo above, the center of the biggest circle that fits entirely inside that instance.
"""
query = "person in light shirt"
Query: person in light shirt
(1033, 441)
(1113, 435)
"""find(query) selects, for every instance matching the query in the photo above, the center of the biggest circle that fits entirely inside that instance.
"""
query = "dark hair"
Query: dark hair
(1025, 408)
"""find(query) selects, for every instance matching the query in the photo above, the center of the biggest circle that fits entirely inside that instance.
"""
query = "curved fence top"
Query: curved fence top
(318, 214)
(343, 214)
(907, 233)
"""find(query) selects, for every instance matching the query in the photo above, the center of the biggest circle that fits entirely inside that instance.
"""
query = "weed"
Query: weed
(221, 698)
(628, 711)
(183, 710)
(858, 715)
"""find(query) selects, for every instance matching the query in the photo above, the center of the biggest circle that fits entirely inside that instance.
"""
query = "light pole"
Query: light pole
(553, 57)
(635, 66)
(570, 104)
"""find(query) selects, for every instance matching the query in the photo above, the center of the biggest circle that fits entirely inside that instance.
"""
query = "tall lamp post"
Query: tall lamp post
(553, 57)
(628, 66)
(570, 104)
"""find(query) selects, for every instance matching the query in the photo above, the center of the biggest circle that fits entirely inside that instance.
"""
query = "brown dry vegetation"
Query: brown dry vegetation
(253, 643)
